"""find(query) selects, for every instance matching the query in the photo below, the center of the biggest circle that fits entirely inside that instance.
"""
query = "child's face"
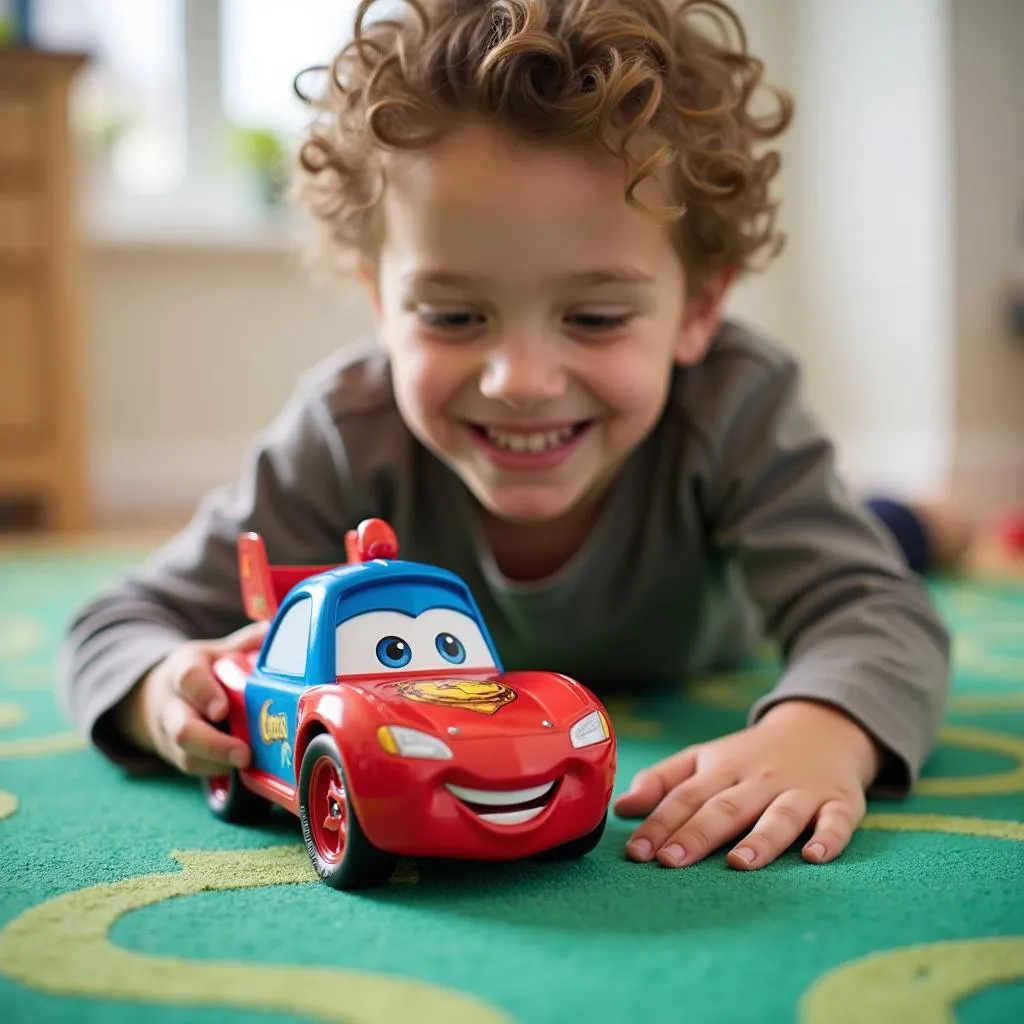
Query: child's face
(532, 317)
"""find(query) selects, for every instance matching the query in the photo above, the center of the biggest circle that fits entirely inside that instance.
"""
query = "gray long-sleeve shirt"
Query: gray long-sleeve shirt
(727, 521)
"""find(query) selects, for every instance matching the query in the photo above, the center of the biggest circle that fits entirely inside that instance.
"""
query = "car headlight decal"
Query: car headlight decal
(405, 742)
(589, 730)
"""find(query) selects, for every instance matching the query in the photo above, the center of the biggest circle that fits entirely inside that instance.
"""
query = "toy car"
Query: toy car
(377, 711)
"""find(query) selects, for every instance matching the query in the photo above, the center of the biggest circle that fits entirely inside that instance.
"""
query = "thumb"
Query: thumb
(650, 786)
(244, 639)
(642, 796)
(196, 684)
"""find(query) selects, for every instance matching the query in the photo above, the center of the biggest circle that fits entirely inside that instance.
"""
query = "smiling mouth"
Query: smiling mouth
(505, 807)
(531, 442)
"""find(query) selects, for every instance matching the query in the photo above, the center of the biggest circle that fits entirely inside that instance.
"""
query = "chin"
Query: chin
(530, 506)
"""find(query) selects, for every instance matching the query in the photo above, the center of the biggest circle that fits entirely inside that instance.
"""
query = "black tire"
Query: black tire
(228, 798)
(349, 861)
(576, 847)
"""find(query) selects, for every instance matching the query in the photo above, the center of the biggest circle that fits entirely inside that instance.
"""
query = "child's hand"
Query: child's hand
(170, 710)
(802, 763)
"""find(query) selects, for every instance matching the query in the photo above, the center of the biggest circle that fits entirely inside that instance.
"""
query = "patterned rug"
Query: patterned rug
(123, 897)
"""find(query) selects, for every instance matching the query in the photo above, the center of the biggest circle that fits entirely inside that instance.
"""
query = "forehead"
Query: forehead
(563, 203)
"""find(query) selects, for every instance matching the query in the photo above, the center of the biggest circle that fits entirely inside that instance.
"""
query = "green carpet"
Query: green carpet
(120, 898)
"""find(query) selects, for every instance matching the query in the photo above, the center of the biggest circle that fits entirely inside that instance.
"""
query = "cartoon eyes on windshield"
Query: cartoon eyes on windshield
(450, 648)
(390, 641)
(395, 651)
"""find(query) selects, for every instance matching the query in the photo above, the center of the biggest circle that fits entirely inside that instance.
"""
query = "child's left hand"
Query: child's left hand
(802, 763)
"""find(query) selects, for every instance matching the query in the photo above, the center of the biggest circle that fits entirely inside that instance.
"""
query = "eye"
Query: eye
(450, 648)
(393, 652)
(597, 322)
(442, 319)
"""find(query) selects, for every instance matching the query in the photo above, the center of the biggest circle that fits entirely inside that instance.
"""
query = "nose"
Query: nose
(523, 373)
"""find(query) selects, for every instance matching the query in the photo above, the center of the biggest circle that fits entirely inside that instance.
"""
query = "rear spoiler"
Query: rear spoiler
(264, 586)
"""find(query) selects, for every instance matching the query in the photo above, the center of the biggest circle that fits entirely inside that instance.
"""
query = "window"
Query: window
(185, 103)
(129, 103)
(264, 44)
(288, 649)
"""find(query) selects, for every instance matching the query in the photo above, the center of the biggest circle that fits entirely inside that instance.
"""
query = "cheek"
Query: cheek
(427, 379)
(634, 387)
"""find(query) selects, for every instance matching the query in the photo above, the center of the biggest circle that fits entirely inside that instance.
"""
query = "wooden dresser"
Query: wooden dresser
(42, 443)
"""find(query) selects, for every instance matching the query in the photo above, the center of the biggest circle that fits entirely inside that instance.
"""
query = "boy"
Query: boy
(549, 201)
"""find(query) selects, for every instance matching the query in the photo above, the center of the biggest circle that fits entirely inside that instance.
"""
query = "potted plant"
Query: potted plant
(264, 156)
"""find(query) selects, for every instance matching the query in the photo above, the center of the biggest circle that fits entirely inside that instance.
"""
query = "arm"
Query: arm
(867, 659)
(855, 625)
(291, 490)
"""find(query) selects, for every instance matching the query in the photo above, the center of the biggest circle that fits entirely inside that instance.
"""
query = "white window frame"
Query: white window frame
(215, 204)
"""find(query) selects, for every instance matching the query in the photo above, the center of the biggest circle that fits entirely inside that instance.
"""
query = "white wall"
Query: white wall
(191, 350)
(874, 266)
(988, 77)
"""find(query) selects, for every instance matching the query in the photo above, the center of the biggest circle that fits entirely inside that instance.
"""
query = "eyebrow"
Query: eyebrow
(585, 279)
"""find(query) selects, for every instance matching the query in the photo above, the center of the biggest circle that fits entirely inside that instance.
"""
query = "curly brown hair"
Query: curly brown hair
(642, 78)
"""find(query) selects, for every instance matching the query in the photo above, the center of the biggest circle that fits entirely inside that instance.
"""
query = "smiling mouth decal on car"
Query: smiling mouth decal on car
(483, 697)
(505, 807)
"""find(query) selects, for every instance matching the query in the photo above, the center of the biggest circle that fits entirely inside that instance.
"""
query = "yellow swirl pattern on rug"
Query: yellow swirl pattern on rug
(12, 715)
(19, 637)
(916, 985)
(1009, 781)
(63, 947)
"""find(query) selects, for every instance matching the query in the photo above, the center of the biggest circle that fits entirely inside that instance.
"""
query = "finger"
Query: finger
(673, 811)
(243, 639)
(837, 821)
(721, 817)
(776, 830)
(196, 685)
(199, 739)
(190, 765)
(649, 787)
(197, 747)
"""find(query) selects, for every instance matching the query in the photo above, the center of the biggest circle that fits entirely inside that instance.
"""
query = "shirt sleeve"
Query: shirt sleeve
(856, 627)
(290, 490)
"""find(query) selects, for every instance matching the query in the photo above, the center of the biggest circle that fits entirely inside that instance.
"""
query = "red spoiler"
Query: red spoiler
(264, 586)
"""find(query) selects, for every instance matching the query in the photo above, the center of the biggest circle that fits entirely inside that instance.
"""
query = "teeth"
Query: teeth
(511, 817)
(499, 797)
(537, 442)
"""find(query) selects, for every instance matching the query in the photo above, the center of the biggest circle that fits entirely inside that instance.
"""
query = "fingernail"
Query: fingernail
(640, 848)
(745, 853)
(239, 758)
(674, 854)
(816, 850)
(216, 708)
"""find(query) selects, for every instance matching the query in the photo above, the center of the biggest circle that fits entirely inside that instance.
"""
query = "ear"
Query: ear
(702, 317)
(368, 273)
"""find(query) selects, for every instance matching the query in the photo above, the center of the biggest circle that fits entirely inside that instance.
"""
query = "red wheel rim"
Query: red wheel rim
(328, 810)
(219, 786)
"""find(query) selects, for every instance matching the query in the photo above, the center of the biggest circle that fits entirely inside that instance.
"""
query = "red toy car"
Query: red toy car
(378, 712)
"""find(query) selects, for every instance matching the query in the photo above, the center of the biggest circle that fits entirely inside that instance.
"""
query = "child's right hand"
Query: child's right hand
(171, 709)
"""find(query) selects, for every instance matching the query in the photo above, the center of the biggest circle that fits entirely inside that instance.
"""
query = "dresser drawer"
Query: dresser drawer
(22, 125)
(23, 367)
(22, 223)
